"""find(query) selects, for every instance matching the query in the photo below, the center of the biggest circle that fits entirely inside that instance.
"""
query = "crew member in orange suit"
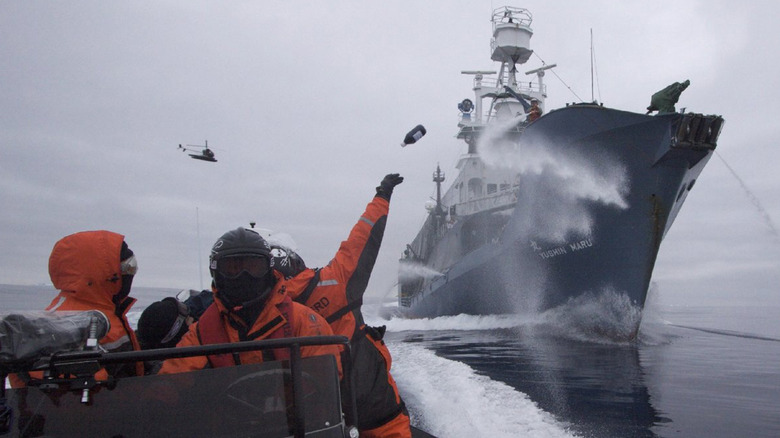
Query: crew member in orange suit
(336, 292)
(534, 112)
(250, 304)
(94, 270)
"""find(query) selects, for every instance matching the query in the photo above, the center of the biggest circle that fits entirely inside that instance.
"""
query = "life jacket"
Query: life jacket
(211, 330)
(304, 296)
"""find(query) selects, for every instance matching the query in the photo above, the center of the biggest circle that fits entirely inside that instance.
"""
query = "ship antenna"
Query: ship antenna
(197, 231)
(591, 65)
(593, 70)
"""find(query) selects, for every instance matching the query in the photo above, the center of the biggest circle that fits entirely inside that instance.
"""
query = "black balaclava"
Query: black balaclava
(245, 292)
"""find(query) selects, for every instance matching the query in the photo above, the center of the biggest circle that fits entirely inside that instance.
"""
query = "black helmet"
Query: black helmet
(239, 242)
(287, 261)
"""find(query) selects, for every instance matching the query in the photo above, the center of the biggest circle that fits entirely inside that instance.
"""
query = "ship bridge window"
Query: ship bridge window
(492, 188)
(475, 187)
(505, 186)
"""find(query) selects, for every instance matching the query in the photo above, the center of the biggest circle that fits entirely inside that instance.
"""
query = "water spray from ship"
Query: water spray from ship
(559, 183)
(411, 270)
(754, 200)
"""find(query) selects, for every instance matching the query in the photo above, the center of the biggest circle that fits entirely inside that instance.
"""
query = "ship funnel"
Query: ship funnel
(511, 35)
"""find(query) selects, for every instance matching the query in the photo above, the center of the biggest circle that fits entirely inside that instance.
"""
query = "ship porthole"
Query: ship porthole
(690, 186)
(682, 192)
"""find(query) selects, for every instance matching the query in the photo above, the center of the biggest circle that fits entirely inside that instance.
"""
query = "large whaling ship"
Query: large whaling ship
(548, 209)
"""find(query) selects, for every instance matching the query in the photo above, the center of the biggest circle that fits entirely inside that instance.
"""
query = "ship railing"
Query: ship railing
(469, 127)
(495, 202)
(511, 14)
(521, 87)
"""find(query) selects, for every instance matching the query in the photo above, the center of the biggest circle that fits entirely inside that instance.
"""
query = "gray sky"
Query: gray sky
(306, 103)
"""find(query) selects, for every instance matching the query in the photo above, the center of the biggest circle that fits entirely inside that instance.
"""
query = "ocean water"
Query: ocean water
(707, 371)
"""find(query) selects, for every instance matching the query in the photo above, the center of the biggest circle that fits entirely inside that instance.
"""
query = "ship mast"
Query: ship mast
(438, 178)
(511, 45)
(509, 97)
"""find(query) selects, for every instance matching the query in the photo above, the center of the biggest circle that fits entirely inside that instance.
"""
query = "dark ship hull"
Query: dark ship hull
(586, 217)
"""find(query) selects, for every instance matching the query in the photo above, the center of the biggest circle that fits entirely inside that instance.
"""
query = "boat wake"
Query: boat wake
(449, 399)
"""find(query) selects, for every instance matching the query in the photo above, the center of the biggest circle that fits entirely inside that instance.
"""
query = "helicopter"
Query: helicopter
(206, 154)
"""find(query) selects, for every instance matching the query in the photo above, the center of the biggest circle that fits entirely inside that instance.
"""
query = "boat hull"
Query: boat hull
(596, 191)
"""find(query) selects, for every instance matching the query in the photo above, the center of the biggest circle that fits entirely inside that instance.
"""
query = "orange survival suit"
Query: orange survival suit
(269, 323)
(534, 112)
(336, 293)
(85, 267)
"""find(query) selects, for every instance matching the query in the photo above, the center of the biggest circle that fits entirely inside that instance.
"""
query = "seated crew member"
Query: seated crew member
(336, 292)
(250, 304)
(163, 323)
(94, 270)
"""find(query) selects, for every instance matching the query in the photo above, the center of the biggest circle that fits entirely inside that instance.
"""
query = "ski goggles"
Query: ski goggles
(232, 267)
(129, 266)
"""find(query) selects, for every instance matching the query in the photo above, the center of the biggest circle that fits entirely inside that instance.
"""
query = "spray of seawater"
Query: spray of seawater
(388, 298)
(604, 179)
(754, 200)
(558, 183)
(458, 322)
(411, 270)
(606, 316)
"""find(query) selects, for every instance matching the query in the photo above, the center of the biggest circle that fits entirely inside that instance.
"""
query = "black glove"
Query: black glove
(385, 188)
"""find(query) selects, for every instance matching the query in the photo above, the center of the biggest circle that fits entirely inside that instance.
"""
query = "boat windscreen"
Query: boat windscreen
(248, 400)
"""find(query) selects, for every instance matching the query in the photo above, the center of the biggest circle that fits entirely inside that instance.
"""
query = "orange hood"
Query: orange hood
(87, 264)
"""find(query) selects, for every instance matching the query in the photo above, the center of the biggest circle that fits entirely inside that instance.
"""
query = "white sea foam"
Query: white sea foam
(455, 323)
(448, 399)
(603, 316)
(606, 316)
